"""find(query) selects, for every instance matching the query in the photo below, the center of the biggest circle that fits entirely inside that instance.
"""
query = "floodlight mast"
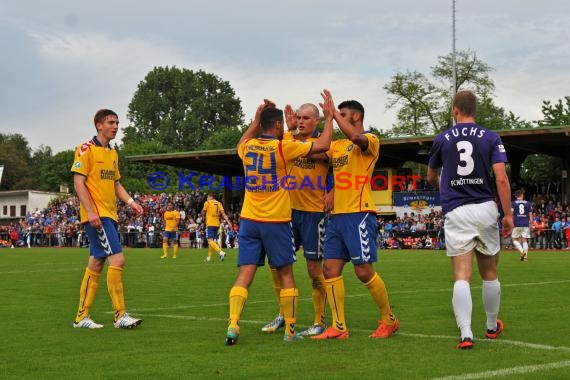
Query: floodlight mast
(453, 59)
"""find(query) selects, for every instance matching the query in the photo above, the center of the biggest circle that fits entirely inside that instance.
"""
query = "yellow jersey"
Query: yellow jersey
(214, 210)
(100, 166)
(308, 183)
(352, 170)
(267, 162)
(171, 220)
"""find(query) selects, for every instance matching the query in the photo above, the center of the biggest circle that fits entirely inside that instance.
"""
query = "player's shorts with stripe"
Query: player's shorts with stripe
(352, 237)
(519, 232)
(170, 235)
(309, 231)
(105, 241)
(472, 227)
(258, 239)
(212, 232)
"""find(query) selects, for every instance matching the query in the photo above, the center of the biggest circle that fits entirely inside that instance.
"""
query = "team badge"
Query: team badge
(350, 147)
(77, 165)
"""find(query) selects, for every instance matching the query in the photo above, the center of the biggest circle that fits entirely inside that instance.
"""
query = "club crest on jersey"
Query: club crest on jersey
(77, 165)
(349, 148)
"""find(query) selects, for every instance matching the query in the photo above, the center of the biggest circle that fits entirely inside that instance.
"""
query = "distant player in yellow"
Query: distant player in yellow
(265, 228)
(212, 212)
(171, 220)
(352, 228)
(96, 180)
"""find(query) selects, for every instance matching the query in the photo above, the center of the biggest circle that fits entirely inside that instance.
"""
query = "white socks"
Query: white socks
(518, 246)
(492, 302)
(462, 307)
(525, 247)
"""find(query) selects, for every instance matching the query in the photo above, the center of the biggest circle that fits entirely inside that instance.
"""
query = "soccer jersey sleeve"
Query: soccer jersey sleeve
(435, 155)
(293, 149)
(241, 149)
(81, 160)
(499, 153)
(373, 144)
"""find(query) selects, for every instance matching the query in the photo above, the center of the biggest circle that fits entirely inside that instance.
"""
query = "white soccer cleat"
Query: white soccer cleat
(87, 323)
(274, 325)
(127, 322)
(315, 329)
(222, 255)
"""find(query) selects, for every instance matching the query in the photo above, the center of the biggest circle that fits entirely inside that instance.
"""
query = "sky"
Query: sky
(62, 60)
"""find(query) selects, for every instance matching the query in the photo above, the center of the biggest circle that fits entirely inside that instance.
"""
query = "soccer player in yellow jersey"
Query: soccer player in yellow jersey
(265, 227)
(96, 180)
(309, 177)
(212, 212)
(352, 229)
(171, 221)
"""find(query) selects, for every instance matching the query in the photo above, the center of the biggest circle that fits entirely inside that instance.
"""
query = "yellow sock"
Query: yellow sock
(238, 296)
(214, 245)
(164, 249)
(377, 289)
(288, 302)
(276, 287)
(319, 299)
(87, 293)
(175, 248)
(335, 295)
(209, 251)
(115, 288)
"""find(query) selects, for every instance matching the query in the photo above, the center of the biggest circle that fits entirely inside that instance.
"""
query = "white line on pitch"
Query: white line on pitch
(411, 335)
(508, 371)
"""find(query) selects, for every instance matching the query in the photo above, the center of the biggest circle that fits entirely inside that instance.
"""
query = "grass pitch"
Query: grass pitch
(184, 304)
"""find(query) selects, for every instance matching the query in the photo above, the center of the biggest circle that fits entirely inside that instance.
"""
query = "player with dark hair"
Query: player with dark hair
(308, 216)
(352, 229)
(466, 154)
(212, 211)
(96, 178)
(265, 227)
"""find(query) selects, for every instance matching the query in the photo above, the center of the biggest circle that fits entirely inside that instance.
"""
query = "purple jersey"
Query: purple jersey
(521, 209)
(466, 152)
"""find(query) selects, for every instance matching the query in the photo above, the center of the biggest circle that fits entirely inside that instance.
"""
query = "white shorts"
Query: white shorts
(519, 232)
(473, 227)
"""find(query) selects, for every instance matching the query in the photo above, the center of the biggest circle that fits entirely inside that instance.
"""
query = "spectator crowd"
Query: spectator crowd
(58, 225)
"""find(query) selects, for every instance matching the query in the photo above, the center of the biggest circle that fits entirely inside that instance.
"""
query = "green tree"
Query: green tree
(181, 108)
(540, 169)
(54, 171)
(134, 175)
(226, 138)
(15, 156)
(555, 114)
(425, 105)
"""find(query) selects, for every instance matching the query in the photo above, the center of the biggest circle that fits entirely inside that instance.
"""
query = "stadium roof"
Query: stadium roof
(519, 143)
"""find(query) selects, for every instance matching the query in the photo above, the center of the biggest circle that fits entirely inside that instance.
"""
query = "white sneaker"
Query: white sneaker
(315, 329)
(87, 323)
(222, 255)
(127, 322)
(207, 259)
(274, 325)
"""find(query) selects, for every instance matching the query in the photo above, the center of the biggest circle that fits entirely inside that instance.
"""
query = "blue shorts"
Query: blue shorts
(352, 237)
(104, 241)
(212, 232)
(258, 239)
(170, 235)
(309, 232)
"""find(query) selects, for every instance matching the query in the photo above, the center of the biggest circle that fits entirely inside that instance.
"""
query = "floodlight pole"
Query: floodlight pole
(453, 58)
